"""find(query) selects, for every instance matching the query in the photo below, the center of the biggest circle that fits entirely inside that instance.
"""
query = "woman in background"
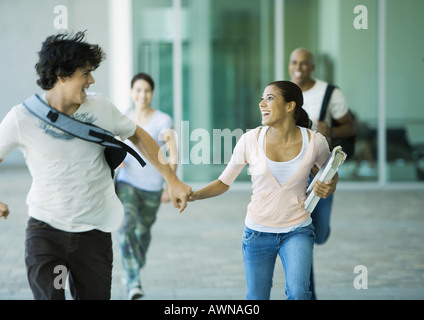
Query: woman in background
(142, 190)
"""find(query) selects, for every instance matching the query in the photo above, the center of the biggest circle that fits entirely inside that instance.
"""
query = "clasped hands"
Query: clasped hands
(4, 210)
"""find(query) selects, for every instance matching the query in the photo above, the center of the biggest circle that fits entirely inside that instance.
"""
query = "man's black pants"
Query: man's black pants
(51, 254)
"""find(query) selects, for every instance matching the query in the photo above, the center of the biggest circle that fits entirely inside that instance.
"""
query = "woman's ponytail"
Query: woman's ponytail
(301, 118)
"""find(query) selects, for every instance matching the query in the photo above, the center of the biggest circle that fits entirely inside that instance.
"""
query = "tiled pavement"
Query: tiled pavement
(197, 255)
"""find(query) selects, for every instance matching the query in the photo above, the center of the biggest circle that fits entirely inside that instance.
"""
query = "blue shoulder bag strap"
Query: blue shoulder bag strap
(115, 151)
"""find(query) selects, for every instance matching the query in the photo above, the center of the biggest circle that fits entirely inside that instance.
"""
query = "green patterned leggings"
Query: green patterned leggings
(134, 237)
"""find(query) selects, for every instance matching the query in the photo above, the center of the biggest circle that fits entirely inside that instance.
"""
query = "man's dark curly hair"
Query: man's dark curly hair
(61, 55)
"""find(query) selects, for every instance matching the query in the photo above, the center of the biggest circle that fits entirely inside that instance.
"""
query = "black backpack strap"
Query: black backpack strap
(325, 101)
(83, 130)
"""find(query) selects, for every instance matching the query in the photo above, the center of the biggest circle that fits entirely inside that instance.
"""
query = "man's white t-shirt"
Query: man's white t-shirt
(72, 188)
(312, 102)
(146, 178)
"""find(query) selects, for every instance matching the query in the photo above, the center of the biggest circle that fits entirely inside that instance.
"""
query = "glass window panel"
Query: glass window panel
(356, 74)
(228, 60)
(153, 35)
(404, 86)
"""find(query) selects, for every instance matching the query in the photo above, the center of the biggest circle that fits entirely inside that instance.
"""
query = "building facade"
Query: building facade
(211, 59)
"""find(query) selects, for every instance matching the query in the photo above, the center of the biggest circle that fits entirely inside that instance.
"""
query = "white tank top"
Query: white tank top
(282, 171)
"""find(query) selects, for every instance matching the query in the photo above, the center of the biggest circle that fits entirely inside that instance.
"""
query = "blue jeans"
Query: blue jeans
(321, 219)
(260, 250)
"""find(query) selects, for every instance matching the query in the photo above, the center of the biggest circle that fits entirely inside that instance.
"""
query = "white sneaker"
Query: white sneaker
(135, 294)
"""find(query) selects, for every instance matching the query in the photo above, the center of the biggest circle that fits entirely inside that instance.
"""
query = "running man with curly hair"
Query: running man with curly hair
(72, 204)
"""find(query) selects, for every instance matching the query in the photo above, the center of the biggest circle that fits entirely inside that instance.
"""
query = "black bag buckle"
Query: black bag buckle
(52, 116)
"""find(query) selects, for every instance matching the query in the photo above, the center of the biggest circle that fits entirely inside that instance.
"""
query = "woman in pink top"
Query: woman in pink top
(280, 154)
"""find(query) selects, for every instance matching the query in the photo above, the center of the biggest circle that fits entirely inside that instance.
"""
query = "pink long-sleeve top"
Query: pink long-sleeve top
(274, 205)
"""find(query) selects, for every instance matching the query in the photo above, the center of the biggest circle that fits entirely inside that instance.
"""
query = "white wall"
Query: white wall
(24, 25)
